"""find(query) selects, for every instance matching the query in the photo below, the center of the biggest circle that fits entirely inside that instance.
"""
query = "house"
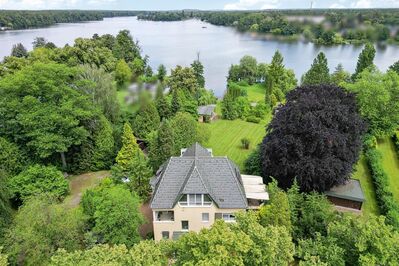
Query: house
(348, 196)
(190, 192)
(206, 113)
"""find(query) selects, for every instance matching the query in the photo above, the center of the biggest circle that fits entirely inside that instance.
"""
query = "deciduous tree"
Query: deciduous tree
(377, 96)
(38, 179)
(123, 73)
(45, 126)
(40, 229)
(114, 212)
(315, 137)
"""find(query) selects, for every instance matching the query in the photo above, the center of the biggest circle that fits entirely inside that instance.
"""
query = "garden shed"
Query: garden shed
(349, 195)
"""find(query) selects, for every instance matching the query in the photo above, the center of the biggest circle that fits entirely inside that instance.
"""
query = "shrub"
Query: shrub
(39, 179)
(396, 140)
(245, 143)
(388, 206)
(253, 119)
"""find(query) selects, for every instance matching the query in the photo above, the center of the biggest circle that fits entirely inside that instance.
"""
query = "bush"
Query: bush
(253, 164)
(245, 143)
(388, 205)
(253, 119)
(396, 140)
(39, 179)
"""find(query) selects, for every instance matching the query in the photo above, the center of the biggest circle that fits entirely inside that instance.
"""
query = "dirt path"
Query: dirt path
(80, 183)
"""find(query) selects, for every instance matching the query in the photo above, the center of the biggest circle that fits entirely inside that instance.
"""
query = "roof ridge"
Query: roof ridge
(240, 185)
(185, 182)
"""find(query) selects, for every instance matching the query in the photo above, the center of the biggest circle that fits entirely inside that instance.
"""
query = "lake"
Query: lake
(177, 43)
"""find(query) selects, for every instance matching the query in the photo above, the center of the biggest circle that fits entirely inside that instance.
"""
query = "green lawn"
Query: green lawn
(362, 173)
(79, 183)
(390, 162)
(256, 93)
(225, 139)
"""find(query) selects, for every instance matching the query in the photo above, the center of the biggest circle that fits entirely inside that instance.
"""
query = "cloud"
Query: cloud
(362, 4)
(252, 4)
(337, 5)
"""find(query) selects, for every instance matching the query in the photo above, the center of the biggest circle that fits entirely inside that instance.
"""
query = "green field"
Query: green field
(256, 92)
(362, 174)
(390, 162)
(225, 139)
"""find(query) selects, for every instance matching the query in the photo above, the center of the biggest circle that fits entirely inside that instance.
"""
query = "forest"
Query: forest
(334, 27)
(96, 109)
(17, 20)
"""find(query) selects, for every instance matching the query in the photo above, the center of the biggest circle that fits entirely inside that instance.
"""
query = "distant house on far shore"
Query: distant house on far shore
(348, 196)
(206, 113)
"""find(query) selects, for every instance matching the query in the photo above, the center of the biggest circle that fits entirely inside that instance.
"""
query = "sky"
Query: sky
(193, 4)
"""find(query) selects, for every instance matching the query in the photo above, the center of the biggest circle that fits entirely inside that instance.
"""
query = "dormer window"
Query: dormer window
(195, 200)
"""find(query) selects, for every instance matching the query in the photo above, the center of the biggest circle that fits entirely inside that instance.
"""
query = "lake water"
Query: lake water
(177, 43)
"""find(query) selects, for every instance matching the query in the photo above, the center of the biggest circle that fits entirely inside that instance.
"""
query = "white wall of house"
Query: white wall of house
(192, 214)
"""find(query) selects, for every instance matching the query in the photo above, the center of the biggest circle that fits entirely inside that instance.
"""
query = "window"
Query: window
(205, 217)
(207, 200)
(228, 217)
(165, 234)
(195, 200)
(183, 200)
(184, 225)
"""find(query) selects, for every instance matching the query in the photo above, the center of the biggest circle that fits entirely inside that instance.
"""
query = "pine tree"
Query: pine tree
(340, 75)
(319, 73)
(162, 148)
(161, 73)
(19, 50)
(163, 107)
(365, 60)
(199, 73)
(140, 175)
(275, 72)
(132, 166)
(129, 147)
(175, 102)
(147, 119)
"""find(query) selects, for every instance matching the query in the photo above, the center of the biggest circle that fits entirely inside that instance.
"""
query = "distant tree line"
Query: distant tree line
(16, 20)
(336, 27)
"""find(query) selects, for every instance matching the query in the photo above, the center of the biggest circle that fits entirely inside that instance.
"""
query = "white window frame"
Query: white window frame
(188, 225)
(193, 201)
(206, 214)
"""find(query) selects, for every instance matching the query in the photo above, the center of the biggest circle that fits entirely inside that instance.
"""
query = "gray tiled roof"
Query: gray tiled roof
(352, 190)
(206, 109)
(217, 176)
(196, 150)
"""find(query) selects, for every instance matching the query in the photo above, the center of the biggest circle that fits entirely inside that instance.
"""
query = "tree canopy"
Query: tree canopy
(315, 137)
(36, 180)
(377, 96)
(365, 59)
(318, 73)
(47, 120)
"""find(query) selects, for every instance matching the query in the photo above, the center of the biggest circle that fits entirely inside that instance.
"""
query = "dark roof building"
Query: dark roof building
(349, 195)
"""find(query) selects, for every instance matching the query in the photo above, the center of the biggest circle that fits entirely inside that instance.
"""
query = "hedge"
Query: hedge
(387, 203)
(396, 140)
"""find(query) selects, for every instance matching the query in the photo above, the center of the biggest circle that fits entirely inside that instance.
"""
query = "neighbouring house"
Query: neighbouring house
(206, 113)
(190, 192)
(348, 196)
